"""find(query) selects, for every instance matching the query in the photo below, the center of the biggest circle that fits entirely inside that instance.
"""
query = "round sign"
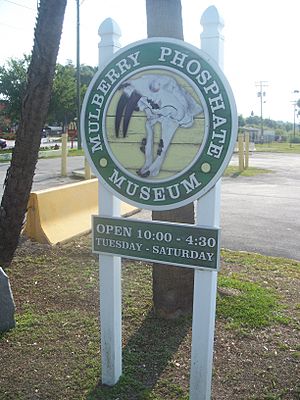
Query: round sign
(159, 124)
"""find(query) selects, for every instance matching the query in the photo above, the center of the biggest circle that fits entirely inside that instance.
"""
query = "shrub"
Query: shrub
(8, 136)
(295, 139)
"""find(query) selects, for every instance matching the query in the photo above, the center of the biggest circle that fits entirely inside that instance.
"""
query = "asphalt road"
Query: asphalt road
(47, 173)
(258, 214)
(262, 213)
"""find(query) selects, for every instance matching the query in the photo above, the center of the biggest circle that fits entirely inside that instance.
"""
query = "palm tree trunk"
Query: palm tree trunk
(164, 18)
(172, 286)
(35, 104)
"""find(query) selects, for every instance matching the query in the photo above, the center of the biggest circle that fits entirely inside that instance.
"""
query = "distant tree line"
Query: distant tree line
(255, 121)
(284, 131)
(63, 105)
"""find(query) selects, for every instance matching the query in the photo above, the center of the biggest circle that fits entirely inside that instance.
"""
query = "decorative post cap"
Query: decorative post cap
(109, 32)
(211, 21)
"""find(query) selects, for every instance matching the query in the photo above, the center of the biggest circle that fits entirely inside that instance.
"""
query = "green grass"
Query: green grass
(251, 306)
(71, 153)
(75, 152)
(233, 171)
(276, 147)
(259, 263)
(49, 339)
(54, 351)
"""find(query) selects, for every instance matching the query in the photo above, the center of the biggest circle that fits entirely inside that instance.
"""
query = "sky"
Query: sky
(261, 42)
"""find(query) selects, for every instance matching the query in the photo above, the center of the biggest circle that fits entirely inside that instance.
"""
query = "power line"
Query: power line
(261, 84)
(20, 5)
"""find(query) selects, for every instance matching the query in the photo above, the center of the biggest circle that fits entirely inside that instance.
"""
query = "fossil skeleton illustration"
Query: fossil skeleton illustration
(163, 101)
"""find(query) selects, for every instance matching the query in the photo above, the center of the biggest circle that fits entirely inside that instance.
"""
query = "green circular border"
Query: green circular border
(205, 169)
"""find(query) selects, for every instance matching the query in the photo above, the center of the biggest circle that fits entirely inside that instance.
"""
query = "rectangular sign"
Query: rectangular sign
(167, 243)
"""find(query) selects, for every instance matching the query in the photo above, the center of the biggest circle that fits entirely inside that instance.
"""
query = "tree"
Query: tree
(172, 286)
(164, 18)
(253, 120)
(86, 74)
(13, 77)
(241, 120)
(33, 114)
(269, 123)
(63, 103)
(4, 120)
(62, 109)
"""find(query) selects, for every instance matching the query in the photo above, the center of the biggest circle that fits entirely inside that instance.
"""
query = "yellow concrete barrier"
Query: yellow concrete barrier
(57, 214)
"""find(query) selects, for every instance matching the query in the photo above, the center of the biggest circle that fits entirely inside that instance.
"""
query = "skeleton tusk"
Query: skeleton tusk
(119, 112)
(131, 106)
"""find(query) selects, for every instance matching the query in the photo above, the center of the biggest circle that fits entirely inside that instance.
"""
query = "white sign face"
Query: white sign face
(159, 124)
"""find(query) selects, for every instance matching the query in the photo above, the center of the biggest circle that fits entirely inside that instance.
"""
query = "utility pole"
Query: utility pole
(294, 102)
(261, 94)
(78, 74)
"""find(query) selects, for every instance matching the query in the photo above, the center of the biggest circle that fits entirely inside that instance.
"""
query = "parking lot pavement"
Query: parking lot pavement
(48, 173)
(258, 214)
(262, 213)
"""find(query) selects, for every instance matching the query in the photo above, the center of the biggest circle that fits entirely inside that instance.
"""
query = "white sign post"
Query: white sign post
(208, 214)
(110, 266)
